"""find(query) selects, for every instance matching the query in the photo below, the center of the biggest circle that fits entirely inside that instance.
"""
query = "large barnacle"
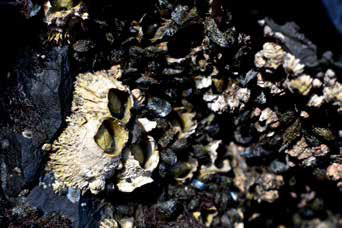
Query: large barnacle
(87, 151)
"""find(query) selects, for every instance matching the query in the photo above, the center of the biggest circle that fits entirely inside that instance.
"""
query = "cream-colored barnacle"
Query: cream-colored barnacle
(87, 151)
(100, 95)
(79, 161)
(146, 152)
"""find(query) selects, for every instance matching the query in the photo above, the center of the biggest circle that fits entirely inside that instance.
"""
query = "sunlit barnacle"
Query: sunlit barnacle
(292, 65)
(274, 87)
(108, 223)
(147, 124)
(302, 84)
(62, 18)
(133, 176)
(216, 102)
(212, 168)
(186, 124)
(233, 98)
(87, 151)
(333, 94)
(237, 97)
(184, 171)
(334, 171)
(267, 186)
(271, 56)
(315, 101)
(307, 155)
(146, 152)
(203, 82)
(268, 120)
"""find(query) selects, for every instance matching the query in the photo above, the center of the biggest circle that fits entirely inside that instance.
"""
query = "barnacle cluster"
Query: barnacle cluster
(216, 122)
(88, 151)
(62, 18)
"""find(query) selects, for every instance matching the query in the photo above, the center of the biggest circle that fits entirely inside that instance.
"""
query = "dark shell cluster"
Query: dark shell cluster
(231, 127)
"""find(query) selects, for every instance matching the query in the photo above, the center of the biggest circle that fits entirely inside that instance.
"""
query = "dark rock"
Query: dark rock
(169, 157)
(250, 76)
(261, 98)
(222, 201)
(185, 38)
(167, 210)
(243, 135)
(46, 200)
(83, 46)
(50, 89)
(38, 113)
(198, 184)
(179, 14)
(334, 10)
(255, 153)
(158, 106)
(224, 39)
(278, 167)
(296, 42)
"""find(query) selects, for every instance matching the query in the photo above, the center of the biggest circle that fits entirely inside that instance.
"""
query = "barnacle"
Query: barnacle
(274, 87)
(333, 94)
(334, 171)
(292, 65)
(302, 84)
(62, 18)
(86, 153)
(184, 171)
(316, 101)
(133, 176)
(267, 187)
(140, 160)
(146, 153)
(271, 56)
(307, 155)
(207, 170)
(233, 98)
(186, 124)
(267, 119)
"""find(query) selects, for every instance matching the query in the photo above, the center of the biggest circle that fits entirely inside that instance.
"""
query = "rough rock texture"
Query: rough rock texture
(37, 111)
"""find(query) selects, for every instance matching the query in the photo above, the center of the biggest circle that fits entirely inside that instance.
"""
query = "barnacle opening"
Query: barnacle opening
(146, 153)
(181, 170)
(111, 137)
(118, 103)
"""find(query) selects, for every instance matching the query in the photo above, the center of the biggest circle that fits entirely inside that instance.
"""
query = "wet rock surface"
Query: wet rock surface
(170, 114)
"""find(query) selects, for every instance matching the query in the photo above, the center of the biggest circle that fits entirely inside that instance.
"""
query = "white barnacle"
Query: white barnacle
(87, 151)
